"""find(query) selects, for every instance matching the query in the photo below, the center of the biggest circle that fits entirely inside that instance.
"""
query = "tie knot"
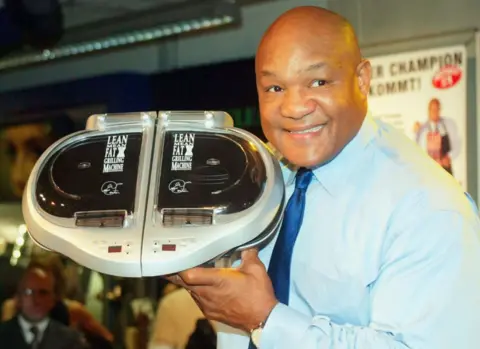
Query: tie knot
(34, 330)
(303, 178)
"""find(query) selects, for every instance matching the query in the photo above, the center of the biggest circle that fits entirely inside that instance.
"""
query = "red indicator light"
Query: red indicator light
(114, 249)
(167, 247)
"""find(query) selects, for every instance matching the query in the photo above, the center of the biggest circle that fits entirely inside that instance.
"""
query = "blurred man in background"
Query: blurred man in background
(33, 327)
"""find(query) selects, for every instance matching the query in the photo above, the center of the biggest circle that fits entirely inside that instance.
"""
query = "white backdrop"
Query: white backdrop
(403, 87)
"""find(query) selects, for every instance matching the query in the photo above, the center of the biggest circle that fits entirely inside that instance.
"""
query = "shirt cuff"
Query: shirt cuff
(283, 325)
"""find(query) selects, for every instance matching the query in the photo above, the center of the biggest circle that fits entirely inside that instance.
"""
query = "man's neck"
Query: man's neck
(26, 322)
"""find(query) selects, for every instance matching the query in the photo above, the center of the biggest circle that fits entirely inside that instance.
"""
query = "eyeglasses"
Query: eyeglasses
(42, 292)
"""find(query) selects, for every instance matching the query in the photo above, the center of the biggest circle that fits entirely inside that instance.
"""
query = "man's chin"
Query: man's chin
(305, 160)
(309, 154)
(34, 318)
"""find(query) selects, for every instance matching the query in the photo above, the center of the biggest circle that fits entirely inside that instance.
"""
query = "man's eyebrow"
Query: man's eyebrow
(316, 66)
(311, 67)
(267, 73)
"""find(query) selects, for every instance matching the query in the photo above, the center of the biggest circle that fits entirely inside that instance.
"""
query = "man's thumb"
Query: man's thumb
(250, 256)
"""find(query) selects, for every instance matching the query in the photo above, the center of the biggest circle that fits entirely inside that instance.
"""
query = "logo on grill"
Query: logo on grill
(110, 188)
(177, 186)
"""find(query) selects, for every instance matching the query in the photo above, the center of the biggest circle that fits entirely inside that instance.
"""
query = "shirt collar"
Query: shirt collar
(333, 174)
(27, 325)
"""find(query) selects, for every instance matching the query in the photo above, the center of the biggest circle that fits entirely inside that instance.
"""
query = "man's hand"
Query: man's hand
(241, 298)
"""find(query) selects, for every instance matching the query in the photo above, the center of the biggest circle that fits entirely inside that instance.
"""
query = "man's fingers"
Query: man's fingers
(175, 279)
(202, 276)
(251, 263)
(250, 255)
(250, 258)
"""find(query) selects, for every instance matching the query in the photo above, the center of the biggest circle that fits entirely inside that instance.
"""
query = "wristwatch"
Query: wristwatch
(256, 334)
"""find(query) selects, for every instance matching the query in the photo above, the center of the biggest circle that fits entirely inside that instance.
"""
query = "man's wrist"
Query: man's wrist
(256, 332)
(262, 318)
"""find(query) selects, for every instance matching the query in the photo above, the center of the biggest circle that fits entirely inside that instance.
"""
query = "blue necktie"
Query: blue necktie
(280, 263)
(279, 268)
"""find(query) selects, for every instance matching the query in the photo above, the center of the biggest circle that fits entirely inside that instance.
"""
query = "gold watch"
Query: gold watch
(256, 334)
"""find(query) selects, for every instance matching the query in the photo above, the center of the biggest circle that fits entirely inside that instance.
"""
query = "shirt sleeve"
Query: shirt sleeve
(426, 295)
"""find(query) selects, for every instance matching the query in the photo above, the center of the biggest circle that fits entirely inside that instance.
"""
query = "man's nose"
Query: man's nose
(36, 299)
(296, 104)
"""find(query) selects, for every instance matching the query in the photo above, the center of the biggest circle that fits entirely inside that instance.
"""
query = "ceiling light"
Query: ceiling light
(230, 15)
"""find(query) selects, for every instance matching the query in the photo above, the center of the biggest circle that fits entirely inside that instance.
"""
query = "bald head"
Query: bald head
(434, 107)
(311, 76)
(312, 27)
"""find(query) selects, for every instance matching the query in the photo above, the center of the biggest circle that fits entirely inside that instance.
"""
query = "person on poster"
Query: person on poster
(24, 144)
(438, 136)
(387, 253)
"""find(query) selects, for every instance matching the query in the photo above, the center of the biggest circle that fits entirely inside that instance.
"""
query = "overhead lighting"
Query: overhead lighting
(16, 254)
(122, 40)
(22, 229)
(20, 241)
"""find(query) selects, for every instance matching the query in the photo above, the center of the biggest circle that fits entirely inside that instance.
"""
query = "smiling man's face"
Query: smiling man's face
(312, 86)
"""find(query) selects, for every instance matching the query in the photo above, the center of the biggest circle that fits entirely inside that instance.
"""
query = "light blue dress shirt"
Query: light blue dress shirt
(388, 256)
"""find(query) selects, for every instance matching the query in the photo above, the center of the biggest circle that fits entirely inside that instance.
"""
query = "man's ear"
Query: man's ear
(364, 76)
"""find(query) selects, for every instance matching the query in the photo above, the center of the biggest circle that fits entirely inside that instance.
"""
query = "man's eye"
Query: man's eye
(11, 150)
(274, 89)
(317, 83)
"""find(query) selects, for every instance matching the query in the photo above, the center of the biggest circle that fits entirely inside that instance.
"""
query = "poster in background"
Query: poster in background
(21, 144)
(424, 94)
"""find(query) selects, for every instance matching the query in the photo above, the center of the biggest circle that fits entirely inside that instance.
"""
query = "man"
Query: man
(33, 328)
(387, 255)
(438, 137)
(66, 311)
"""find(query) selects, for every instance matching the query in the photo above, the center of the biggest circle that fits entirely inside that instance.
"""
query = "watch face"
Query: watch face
(255, 335)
